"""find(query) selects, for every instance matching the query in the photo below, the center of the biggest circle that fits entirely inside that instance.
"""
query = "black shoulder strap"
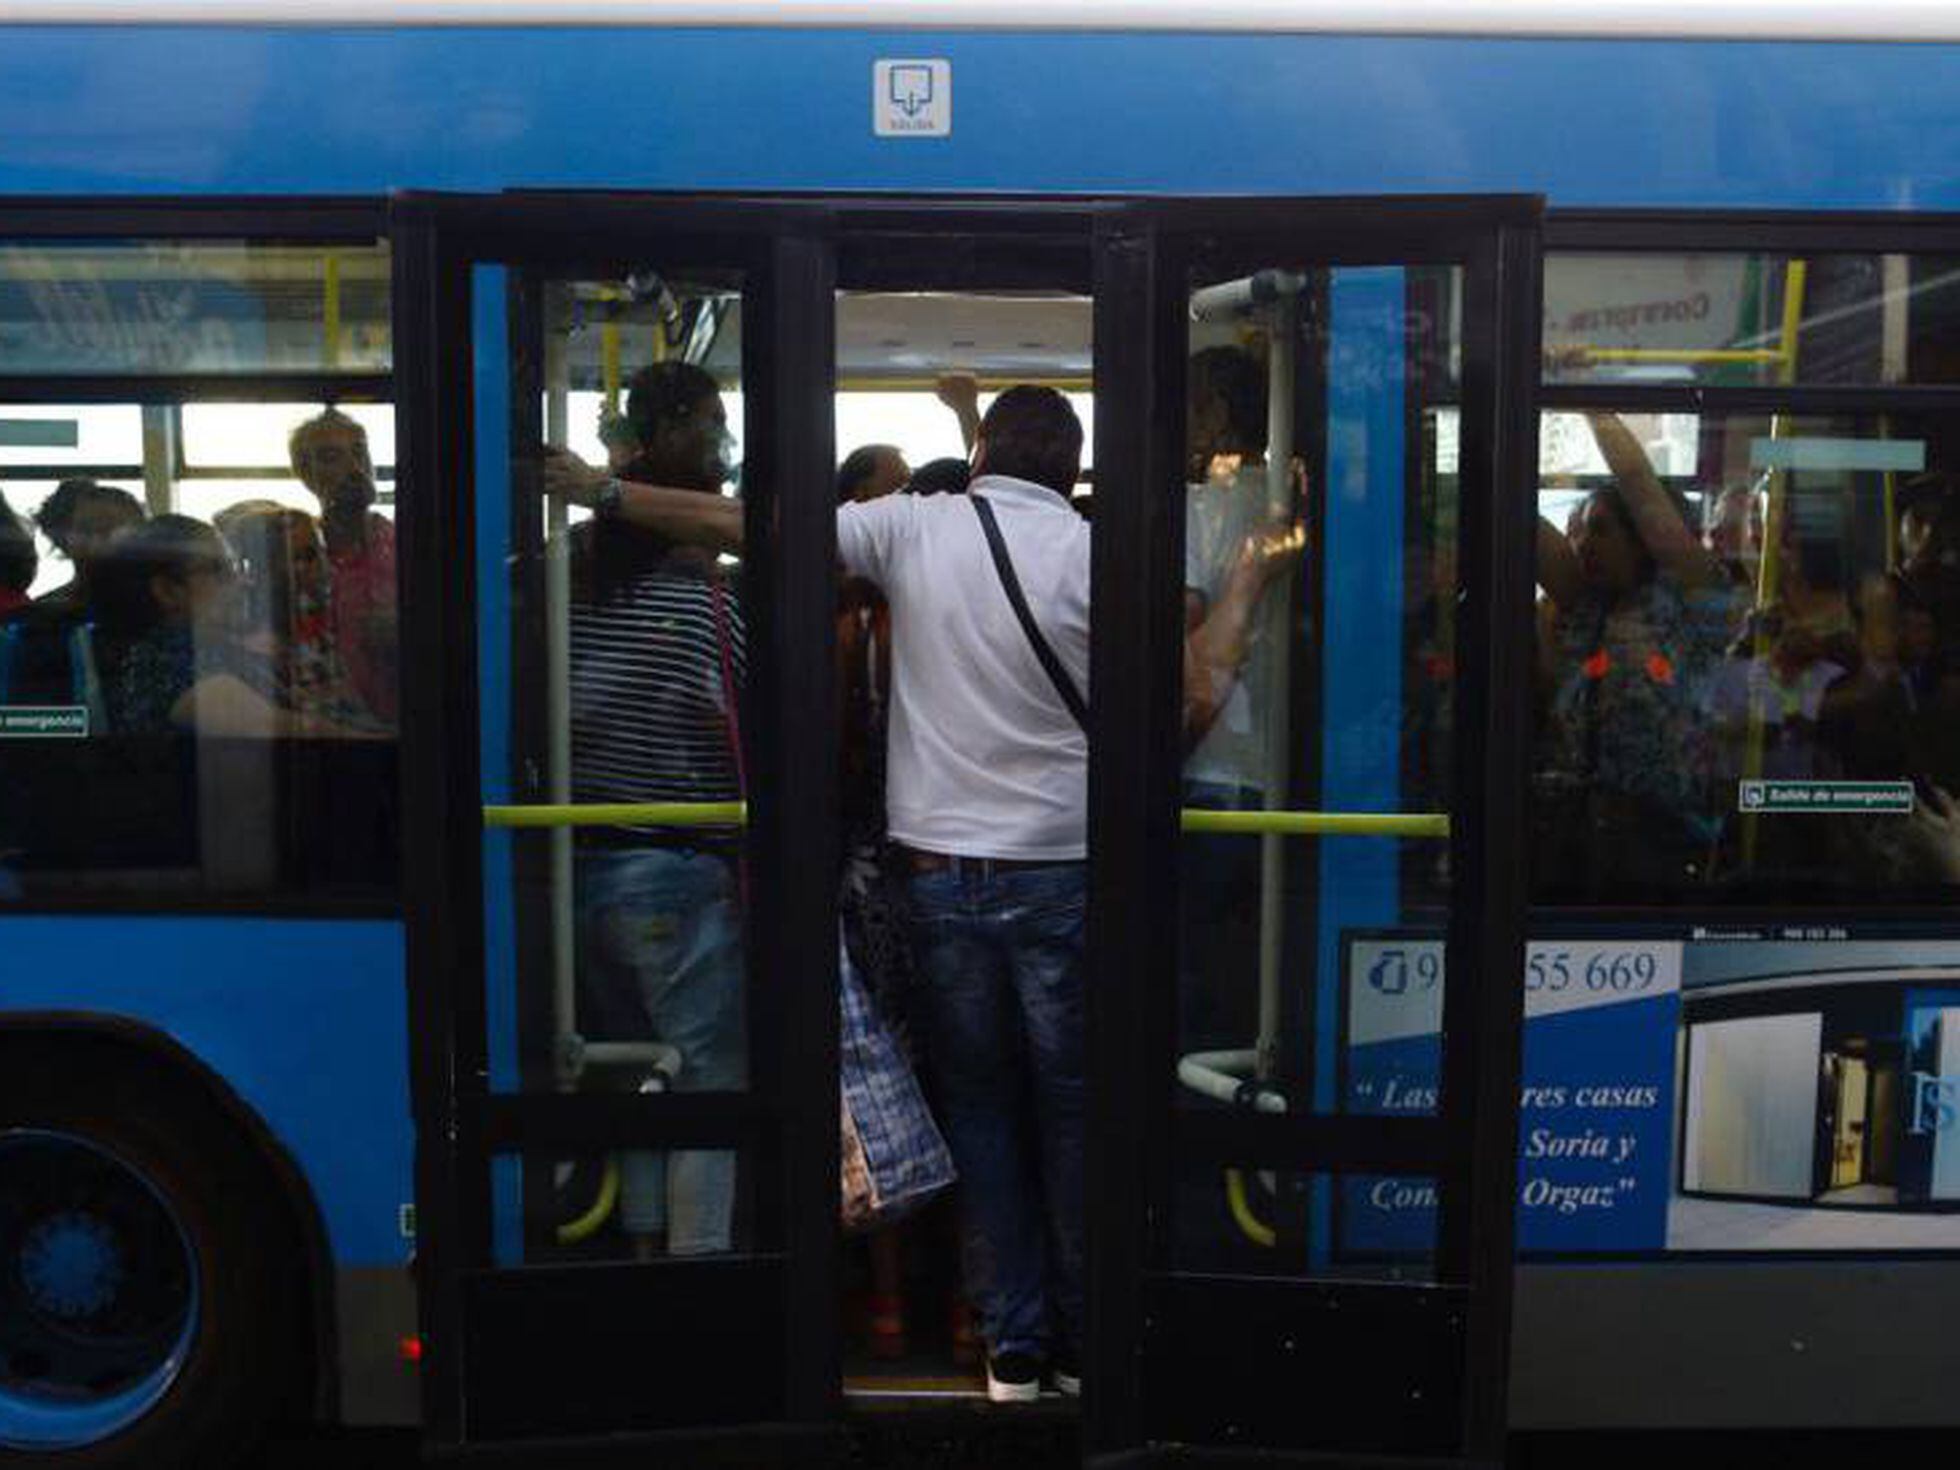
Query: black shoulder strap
(1051, 665)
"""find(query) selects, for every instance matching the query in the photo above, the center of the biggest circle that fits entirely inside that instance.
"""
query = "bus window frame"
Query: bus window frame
(1746, 232)
(122, 219)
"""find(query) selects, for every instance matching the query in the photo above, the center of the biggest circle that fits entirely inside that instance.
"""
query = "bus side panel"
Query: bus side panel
(1586, 122)
(305, 1020)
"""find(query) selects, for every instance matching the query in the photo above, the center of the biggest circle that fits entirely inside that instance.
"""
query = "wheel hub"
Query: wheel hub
(71, 1265)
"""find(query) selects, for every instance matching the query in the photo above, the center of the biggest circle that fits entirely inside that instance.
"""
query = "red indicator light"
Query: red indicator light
(411, 1349)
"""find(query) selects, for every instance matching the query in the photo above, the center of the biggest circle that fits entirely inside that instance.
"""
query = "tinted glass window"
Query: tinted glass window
(1748, 656)
(198, 684)
(1752, 319)
(156, 307)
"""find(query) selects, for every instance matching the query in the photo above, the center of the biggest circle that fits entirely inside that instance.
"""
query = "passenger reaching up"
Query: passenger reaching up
(1639, 613)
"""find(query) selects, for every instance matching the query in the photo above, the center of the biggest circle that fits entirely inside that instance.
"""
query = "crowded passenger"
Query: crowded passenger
(1733, 532)
(870, 472)
(657, 668)
(1638, 615)
(329, 455)
(283, 608)
(50, 658)
(987, 761)
(871, 901)
(164, 597)
(81, 518)
(1226, 769)
(19, 560)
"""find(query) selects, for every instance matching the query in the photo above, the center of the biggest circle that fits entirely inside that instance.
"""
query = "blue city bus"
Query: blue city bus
(1532, 1002)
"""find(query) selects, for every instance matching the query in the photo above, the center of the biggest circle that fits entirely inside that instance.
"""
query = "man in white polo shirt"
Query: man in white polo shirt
(987, 802)
(987, 785)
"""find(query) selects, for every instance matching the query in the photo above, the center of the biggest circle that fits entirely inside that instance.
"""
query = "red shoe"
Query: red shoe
(966, 1342)
(884, 1327)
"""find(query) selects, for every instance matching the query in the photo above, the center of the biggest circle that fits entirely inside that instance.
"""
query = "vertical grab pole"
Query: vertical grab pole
(1282, 370)
(1768, 570)
(558, 722)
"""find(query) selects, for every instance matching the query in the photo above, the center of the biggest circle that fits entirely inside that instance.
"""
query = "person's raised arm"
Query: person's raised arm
(1215, 650)
(1675, 549)
(690, 517)
(1559, 572)
(961, 393)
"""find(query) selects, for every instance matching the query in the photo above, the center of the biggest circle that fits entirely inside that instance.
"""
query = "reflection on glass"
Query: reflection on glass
(1312, 413)
(1318, 691)
(627, 661)
(198, 691)
(590, 1208)
(1744, 674)
(1242, 1221)
(216, 306)
(1745, 319)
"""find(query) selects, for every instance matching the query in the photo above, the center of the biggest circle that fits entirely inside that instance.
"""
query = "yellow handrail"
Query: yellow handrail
(735, 814)
(1684, 354)
(573, 1232)
(1318, 824)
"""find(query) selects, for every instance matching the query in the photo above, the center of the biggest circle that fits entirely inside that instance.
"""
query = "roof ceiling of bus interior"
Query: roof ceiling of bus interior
(901, 339)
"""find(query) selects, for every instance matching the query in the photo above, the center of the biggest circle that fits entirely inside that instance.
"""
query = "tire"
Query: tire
(137, 1235)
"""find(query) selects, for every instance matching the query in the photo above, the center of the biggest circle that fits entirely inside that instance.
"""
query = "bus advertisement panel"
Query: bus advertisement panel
(1720, 1090)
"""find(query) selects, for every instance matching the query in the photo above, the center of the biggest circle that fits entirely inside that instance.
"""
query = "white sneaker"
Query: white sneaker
(1013, 1378)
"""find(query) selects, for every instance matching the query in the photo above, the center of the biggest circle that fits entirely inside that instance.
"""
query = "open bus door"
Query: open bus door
(616, 1239)
(1302, 1161)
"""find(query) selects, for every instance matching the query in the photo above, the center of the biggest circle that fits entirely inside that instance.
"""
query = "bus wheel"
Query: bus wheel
(139, 1308)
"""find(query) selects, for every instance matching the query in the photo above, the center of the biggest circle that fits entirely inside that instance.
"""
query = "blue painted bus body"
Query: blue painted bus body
(1623, 123)
(304, 1019)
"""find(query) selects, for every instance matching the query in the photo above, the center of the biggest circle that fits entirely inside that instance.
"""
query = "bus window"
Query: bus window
(1749, 656)
(1320, 600)
(199, 700)
(1751, 320)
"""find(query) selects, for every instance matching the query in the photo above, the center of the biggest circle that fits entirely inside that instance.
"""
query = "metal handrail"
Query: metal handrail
(1193, 819)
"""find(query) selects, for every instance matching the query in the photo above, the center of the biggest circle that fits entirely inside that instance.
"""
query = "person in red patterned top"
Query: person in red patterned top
(330, 456)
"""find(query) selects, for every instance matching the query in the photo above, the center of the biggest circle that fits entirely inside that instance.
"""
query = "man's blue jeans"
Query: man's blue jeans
(660, 947)
(1000, 970)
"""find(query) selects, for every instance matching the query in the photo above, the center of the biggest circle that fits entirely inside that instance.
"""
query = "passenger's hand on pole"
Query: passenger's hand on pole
(570, 478)
(1271, 550)
(961, 393)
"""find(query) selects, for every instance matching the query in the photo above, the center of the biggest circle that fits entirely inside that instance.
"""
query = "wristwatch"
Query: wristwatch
(605, 505)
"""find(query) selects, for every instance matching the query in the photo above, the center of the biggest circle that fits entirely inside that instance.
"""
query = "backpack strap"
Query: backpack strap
(1078, 707)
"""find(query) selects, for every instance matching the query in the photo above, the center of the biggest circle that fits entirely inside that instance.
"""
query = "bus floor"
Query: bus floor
(975, 1437)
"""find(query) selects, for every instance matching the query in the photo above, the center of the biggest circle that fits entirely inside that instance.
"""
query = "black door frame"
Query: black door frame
(467, 1306)
(1469, 1147)
(795, 251)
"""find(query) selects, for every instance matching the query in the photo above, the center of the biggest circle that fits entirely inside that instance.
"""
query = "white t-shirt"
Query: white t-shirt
(1219, 514)
(984, 759)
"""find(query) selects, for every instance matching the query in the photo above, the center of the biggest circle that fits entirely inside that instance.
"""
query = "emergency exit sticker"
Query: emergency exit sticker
(912, 99)
(43, 722)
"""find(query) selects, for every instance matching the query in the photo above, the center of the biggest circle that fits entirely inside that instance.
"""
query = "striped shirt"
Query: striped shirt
(651, 718)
